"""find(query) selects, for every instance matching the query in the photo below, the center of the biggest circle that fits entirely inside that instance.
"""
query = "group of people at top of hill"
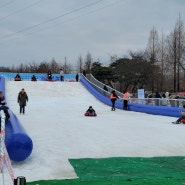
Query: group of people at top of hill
(18, 77)
(61, 73)
(49, 76)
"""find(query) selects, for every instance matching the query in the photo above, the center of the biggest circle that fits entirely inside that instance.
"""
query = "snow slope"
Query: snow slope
(55, 121)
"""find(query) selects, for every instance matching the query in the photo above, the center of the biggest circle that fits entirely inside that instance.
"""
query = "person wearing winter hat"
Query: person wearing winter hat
(90, 111)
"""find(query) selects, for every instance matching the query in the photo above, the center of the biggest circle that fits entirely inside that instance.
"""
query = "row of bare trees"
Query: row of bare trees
(82, 64)
(169, 54)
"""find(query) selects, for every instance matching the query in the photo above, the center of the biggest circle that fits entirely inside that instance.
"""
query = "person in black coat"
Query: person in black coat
(49, 74)
(90, 112)
(17, 77)
(22, 99)
(33, 78)
(77, 77)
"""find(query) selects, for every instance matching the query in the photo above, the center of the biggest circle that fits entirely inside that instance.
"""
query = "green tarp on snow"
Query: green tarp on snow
(125, 170)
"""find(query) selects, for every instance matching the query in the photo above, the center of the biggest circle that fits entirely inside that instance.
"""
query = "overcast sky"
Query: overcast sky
(39, 30)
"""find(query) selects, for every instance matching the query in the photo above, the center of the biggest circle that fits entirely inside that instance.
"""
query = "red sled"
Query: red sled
(90, 114)
(51, 80)
(183, 120)
(17, 79)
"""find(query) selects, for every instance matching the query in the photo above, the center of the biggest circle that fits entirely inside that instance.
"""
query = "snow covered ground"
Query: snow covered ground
(59, 130)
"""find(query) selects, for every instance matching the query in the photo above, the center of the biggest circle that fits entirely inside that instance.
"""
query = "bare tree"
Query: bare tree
(152, 55)
(66, 67)
(54, 66)
(176, 43)
(88, 63)
(80, 64)
(163, 61)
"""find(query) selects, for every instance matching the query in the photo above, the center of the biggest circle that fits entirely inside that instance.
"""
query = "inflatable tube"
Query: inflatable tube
(157, 110)
(19, 145)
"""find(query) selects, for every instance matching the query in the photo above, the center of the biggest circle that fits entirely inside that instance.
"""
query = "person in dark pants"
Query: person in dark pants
(77, 77)
(61, 75)
(125, 100)
(49, 75)
(113, 98)
(22, 99)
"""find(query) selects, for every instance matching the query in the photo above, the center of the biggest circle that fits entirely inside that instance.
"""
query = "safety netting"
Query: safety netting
(124, 170)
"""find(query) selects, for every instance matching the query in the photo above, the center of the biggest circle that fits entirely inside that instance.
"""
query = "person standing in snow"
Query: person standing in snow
(49, 75)
(77, 77)
(22, 99)
(113, 98)
(126, 96)
(61, 75)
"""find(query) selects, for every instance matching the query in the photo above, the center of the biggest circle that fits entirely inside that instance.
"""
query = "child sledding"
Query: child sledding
(90, 112)
(181, 119)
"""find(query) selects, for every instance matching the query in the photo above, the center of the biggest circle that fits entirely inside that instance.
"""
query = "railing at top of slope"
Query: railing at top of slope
(99, 86)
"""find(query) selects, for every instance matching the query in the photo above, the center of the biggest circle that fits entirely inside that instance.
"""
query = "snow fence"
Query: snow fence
(19, 145)
(150, 109)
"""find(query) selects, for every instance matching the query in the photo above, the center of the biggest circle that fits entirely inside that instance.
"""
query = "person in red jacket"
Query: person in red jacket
(113, 98)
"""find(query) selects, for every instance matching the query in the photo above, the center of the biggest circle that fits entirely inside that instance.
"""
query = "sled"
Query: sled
(51, 80)
(90, 114)
(17, 79)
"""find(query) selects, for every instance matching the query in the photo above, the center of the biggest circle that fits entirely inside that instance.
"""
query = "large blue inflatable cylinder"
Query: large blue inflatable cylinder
(19, 145)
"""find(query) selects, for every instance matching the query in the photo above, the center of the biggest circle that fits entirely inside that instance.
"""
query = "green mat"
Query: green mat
(125, 170)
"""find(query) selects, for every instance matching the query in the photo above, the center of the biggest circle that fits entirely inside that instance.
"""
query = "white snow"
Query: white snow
(59, 130)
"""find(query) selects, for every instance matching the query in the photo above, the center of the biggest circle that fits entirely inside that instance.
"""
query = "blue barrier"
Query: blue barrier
(156, 110)
(19, 145)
